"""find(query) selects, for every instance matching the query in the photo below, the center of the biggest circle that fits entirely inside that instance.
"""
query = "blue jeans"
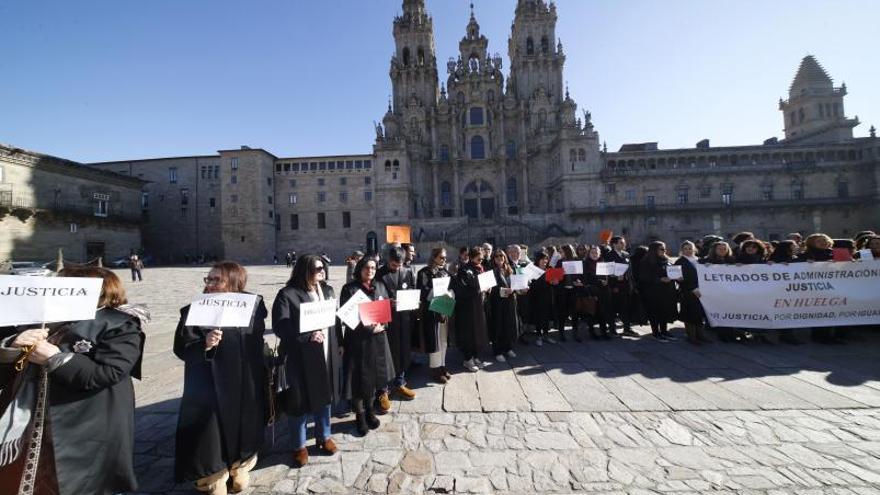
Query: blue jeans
(298, 426)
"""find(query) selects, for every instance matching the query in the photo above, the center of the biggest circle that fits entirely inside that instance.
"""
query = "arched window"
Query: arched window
(511, 191)
(396, 164)
(420, 56)
(446, 194)
(511, 150)
(545, 45)
(387, 163)
(582, 155)
(476, 116)
(444, 153)
(406, 56)
(572, 155)
(530, 46)
(478, 149)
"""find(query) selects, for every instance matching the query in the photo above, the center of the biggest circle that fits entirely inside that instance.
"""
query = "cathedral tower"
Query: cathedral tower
(536, 59)
(814, 109)
(414, 64)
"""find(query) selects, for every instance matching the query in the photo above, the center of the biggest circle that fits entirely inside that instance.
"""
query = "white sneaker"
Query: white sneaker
(539, 342)
(500, 358)
(551, 340)
(471, 366)
(511, 354)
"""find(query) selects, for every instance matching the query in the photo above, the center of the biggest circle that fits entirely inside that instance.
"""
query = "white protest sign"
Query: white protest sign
(554, 259)
(604, 269)
(348, 313)
(620, 269)
(408, 300)
(27, 300)
(865, 255)
(674, 272)
(533, 271)
(519, 282)
(440, 285)
(221, 310)
(317, 315)
(798, 295)
(487, 281)
(573, 267)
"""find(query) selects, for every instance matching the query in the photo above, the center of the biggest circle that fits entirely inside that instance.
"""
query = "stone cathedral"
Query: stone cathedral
(483, 152)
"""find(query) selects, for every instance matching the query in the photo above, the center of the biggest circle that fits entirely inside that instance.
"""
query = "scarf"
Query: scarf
(18, 414)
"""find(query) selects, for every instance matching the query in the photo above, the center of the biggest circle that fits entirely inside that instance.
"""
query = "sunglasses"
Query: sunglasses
(319, 268)
(212, 280)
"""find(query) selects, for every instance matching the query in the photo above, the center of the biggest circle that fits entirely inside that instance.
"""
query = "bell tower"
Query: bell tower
(814, 110)
(414, 64)
(536, 58)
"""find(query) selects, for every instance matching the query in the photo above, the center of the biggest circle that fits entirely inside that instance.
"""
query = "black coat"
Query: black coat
(368, 363)
(659, 296)
(312, 375)
(223, 409)
(540, 301)
(400, 329)
(622, 285)
(601, 291)
(504, 324)
(690, 308)
(428, 320)
(470, 317)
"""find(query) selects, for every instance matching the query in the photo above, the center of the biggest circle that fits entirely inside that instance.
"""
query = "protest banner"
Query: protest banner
(28, 300)
(532, 271)
(573, 267)
(221, 310)
(797, 295)
(408, 300)
(604, 269)
(554, 275)
(674, 272)
(348, 313)
(487, 281)
(317, 315)
(397, 234)
(519, 282)
(440, 285)
(375, 312)
(444, 305)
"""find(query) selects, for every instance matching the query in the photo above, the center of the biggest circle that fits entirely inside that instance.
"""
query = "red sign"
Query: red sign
(374, 312)
(554, 275)
(842, 254)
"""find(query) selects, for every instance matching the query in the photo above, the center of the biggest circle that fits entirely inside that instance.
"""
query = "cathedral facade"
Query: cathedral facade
(474, 155)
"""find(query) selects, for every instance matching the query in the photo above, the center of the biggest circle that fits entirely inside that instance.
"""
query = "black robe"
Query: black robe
(470, 316)
(504, 324)
(90, 428)
(540, 301)
(400, 329)
(659, 296)
(368, 363)
(223, 410)
(602, 292)
(429, 320)
(690, 308)
(312, 376)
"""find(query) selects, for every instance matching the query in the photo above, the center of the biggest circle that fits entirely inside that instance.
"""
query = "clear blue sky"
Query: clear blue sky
(111, 80)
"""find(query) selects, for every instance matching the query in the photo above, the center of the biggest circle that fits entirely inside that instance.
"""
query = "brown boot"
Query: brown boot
(327, 446)
(405, 392)
(214, 484)
(438, 376)
(300, 457)
(241, 475)
(384, 403)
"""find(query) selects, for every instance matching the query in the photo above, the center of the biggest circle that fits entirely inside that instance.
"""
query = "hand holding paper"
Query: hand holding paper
(487, 281)
(674, 272)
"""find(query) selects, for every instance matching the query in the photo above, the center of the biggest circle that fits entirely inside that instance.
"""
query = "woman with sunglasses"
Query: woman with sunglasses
(222, 411)
(312, 360)
(434, 326)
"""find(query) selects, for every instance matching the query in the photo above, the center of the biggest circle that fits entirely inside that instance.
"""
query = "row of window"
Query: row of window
(321, 221)
(321, 197)
(327, 165)
(826, 110)
(682, 196)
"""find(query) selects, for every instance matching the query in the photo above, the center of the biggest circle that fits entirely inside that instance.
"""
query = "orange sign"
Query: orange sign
(397, 233)
(605, 236)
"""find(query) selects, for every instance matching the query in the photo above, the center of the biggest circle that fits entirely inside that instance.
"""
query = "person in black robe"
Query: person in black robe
(470, 316)
(690, 309)
(223, 412)
(563, 295)
(434, 326)
(541, 300)
(659, 290)
(504, 323)
(367, 358)
(312, 360)
(598, 287)
(396, 277)
(622, 298)
(78, 435)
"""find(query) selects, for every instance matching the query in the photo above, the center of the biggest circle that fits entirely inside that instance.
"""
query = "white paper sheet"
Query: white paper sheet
(317, 315)
(348, 313)
(221, 310)
(533, 272)
(408, 300)
(26, 300)
(487, 281)
(604, 269)
(573, 267)
(519, 282)
(674, 272)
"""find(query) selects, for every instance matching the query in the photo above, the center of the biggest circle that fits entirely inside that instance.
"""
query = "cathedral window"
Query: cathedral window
(545, 45)
(446, 194)
(476, 116)
(530, 46)
(396, 164)
(406, 57)
(511, 150)
(420, 57)
(444, 153)
(387, 163)
(478, 150)
(582, 155)
(511, 191)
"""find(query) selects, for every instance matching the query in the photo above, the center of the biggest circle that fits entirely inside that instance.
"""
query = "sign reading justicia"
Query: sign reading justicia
(796, 295)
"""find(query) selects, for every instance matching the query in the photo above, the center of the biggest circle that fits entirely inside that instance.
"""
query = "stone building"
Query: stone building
(484, 156)
(47, 203)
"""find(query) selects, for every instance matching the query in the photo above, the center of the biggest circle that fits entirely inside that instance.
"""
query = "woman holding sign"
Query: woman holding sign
(659, 289)
(434, 326)
(368, 363)
(470, 319)
(541, 300)
(222, 411)
(691, 311)
(79, 439)
(312, 358)
(503, 323)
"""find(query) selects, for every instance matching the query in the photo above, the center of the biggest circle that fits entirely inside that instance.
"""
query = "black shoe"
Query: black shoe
(629, 332)
(360, 422)
(371, 419)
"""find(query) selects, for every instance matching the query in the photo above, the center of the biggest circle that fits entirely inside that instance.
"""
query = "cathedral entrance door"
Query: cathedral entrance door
(479, 201)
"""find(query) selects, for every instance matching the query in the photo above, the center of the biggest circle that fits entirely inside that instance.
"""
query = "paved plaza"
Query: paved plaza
(625, 416)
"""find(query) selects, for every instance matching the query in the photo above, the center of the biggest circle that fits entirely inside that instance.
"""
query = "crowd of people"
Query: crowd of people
(69, 385)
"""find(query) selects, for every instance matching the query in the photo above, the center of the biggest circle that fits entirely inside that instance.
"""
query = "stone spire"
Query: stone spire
(810, 75)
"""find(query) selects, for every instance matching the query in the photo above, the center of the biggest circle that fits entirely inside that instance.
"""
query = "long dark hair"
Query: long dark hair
(304, 270)
(359, 268)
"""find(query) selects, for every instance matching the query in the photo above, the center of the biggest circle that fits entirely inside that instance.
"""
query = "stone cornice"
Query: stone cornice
(61, 166)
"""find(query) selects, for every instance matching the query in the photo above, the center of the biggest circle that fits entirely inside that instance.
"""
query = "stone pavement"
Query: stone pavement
(625, 416)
